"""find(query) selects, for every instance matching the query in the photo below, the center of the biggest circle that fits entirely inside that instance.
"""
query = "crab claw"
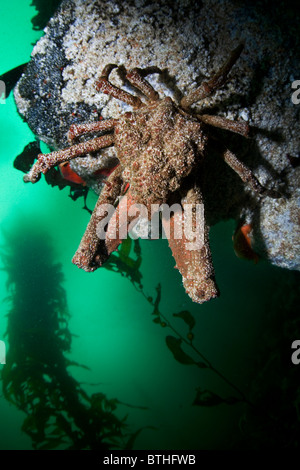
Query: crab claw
(187, 234)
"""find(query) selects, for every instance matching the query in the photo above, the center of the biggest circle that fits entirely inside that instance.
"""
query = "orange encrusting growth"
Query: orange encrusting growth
(69, 174)
(242, 243)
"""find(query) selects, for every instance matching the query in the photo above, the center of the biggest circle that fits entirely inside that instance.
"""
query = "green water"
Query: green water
(117, 339)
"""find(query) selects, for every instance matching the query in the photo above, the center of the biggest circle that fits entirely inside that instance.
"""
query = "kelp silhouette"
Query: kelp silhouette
(60, 414)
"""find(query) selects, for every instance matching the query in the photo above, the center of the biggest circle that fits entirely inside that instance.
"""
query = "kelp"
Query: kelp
(182, 346)
(271, 411)
(177, 343)
(271, 416)
(122, 262)
(59, 413)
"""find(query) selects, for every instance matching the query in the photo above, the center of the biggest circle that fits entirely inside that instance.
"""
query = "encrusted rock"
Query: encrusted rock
(187, 40)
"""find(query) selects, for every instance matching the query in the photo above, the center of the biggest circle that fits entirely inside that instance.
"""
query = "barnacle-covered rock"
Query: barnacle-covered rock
(187, 40)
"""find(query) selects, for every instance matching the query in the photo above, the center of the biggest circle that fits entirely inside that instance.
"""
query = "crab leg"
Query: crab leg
(193, 262)
(120, 223)
(135, 76)
(207, 88)
(106, 87)
(48, 160)
(223, 123)
(246, 175)
(92, 251)
(85, 128)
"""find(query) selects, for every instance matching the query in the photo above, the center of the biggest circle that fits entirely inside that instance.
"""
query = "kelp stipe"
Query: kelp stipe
(271, 417)
(185, 352)
(59, 413)
(178, 344)
(124, 264)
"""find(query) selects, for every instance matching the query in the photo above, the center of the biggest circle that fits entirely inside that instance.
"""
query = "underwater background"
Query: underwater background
(216, 376)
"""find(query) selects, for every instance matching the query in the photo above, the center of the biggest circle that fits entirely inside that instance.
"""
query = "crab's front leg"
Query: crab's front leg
(218, 80)
(97, 245)
(123, 220)
(187, 234)
(247, 176)
(92, 251)
(49, 160)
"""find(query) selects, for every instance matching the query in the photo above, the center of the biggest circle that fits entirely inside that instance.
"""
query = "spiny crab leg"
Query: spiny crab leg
(79, 129)
(121, 223)
(104, 85)
(49, 160)
(207, 88)
(195, 265)
(246, 175)
(135, 77)
(92, 251)
(227, 124)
